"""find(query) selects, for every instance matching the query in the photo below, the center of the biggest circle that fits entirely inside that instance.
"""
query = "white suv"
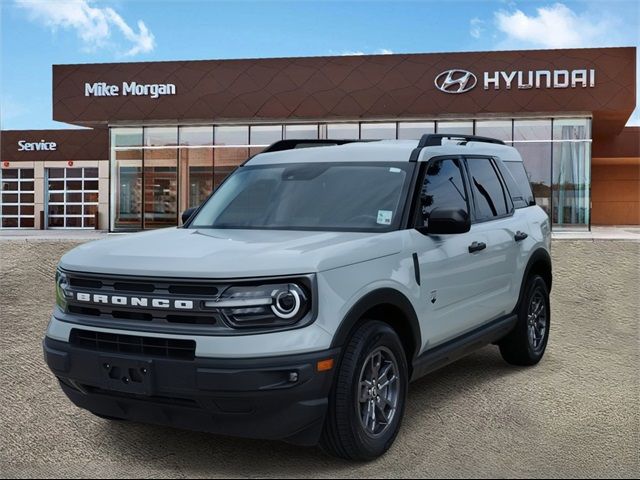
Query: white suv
(299, 301)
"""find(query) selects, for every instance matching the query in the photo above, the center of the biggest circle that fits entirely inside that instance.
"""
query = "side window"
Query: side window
(489, 195)
(522, 180)
(443, 187)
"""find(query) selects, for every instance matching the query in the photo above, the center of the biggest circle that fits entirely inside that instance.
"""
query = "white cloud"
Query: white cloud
(476, 27)
(558, 26)
(95, 26)
(554, 26)
(380, 51)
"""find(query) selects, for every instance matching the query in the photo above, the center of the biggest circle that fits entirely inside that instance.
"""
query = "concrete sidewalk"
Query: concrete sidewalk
(52, 235)
(630, 233)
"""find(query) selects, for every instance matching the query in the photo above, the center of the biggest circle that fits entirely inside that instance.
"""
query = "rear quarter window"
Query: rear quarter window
(518, 184)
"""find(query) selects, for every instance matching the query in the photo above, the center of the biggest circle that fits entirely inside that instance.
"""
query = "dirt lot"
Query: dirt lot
(575, 415)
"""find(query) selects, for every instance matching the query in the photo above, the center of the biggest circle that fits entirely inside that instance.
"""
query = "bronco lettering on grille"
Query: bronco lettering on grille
(142, 302)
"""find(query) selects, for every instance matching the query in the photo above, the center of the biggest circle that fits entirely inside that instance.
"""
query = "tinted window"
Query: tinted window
(521, 193)
(443, 187)
(488, 192)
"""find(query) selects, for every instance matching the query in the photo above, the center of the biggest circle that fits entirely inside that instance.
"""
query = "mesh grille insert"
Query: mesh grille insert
(134, 345)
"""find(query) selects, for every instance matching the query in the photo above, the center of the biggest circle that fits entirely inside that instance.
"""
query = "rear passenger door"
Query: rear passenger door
(493, 232)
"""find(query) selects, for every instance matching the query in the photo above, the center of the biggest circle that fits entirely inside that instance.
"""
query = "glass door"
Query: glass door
(17, 198)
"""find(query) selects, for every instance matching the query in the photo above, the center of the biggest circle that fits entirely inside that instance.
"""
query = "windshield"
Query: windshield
(313, 196)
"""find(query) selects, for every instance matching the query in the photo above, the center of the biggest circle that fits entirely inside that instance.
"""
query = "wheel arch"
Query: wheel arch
(389, 306)
(539, 264)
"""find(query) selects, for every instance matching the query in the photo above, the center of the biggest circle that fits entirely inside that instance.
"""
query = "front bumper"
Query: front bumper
(279, 398)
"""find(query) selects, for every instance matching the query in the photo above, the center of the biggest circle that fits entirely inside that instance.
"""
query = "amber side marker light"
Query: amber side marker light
(325, 365)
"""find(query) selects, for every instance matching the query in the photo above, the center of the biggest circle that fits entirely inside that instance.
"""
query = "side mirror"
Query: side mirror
(186, 215)
(445, 221)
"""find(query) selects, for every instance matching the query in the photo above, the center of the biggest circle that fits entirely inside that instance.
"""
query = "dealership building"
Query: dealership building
(160, 136)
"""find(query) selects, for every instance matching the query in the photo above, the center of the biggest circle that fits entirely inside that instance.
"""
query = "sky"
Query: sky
(35, 34)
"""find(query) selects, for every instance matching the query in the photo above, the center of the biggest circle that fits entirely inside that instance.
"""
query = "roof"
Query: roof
(381, 151)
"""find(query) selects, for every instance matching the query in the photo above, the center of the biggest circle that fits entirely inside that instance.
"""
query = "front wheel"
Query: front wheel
(368, 399)
(526, 344)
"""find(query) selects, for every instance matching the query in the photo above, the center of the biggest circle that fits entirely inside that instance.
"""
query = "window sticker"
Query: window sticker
(384, 217)
(395, 170)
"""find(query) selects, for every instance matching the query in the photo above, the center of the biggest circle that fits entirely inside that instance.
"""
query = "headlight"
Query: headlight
(62, 292)
(271, 305)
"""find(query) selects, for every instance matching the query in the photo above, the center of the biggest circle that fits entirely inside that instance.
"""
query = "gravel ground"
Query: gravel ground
(575, 415)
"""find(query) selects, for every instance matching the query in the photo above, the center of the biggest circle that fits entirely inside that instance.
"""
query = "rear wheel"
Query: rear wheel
(368, 399)
(526, 344)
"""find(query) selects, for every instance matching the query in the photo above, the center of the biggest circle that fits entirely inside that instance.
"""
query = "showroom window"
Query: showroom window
(17, 195)
(231, 149)
(304, 132)
(343, 131)
(532, 138)
(160, 177)
(460, 127)
(126, 179)
(262, 136)
(195, 166)
(415, 130)
(500, 129)
(72, 197)
(571, 171)
(378, 131)
(158, 172)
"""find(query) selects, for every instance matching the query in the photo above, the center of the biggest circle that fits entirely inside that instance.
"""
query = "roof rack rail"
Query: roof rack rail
(435, 139)
(281, 145)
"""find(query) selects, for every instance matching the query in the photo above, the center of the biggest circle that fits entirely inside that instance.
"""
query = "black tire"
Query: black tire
(525, 347)
(345, 434)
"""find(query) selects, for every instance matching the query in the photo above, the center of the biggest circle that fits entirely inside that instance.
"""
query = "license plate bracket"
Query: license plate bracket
(126, 375)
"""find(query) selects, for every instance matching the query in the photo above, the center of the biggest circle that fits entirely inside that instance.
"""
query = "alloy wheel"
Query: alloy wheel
(379, 391)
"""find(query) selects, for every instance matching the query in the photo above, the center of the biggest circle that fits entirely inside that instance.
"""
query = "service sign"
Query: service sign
(42, 145)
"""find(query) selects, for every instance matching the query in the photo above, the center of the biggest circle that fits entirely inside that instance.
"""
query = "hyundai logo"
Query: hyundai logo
(455, 81)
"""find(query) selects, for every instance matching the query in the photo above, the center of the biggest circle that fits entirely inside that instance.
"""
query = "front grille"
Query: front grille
(197, 292)
(134, 345)
(209, 319)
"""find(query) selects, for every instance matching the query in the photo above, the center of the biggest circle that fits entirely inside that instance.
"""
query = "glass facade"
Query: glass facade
(158, 172)
(571, 172)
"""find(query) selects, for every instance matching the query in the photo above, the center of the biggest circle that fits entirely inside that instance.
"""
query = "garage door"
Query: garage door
(72, 197)
(16, 204)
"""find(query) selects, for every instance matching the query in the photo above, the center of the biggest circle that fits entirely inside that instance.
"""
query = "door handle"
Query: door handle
(520, 236)
(477, 246)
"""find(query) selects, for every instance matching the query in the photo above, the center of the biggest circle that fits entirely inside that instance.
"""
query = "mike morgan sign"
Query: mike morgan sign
(134, 89)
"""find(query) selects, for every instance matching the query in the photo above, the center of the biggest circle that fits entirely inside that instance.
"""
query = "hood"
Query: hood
(209, 253)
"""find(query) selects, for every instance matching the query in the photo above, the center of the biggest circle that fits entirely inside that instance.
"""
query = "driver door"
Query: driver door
(452, 277)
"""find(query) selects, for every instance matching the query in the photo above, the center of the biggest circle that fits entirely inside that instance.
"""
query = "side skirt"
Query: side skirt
(462, 346)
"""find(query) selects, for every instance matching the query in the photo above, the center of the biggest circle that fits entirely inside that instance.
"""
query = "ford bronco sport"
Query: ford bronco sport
(299, 301)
